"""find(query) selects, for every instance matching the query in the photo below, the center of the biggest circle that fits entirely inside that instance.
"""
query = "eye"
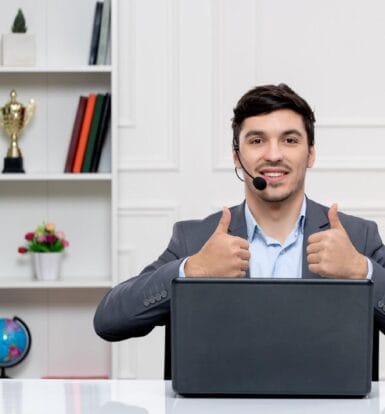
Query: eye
(291, 140)
(256, 140)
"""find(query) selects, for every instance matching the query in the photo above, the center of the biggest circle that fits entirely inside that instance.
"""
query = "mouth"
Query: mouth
(274, 175)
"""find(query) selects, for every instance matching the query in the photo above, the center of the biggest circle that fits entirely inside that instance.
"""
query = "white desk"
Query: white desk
(153, 397)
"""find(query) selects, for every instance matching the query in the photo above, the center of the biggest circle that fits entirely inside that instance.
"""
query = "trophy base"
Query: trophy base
(13, 165)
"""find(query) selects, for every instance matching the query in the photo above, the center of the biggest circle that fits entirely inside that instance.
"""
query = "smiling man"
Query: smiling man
(275, 232)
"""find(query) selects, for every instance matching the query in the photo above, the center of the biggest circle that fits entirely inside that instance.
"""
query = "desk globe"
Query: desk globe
(15, 342)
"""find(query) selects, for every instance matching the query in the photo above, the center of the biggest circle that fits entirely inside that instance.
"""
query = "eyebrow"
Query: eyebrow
(262, 133)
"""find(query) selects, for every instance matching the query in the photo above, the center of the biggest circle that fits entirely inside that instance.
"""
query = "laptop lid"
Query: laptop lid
(271, 336)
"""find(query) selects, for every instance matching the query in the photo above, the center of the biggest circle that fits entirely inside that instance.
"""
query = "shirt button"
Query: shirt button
(163, 293)
(146, 302)
(152, 299)
(381, 303)
(158, 297)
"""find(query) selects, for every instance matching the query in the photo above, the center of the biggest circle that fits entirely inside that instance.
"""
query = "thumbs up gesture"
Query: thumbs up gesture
(222, 255)
(330, 253)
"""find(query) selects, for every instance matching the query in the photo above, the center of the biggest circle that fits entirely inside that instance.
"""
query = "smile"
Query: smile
(274, 175)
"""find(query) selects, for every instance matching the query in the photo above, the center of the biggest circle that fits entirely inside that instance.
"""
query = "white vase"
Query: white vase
(47, 265)
(19, 49)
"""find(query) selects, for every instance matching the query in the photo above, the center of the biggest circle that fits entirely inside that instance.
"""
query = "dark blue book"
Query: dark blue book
(96, 33)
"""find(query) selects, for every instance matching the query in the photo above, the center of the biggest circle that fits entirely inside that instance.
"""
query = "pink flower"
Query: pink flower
(65, 243)
(60, 235)
(22, 250)
(29, 236)
(40, 239)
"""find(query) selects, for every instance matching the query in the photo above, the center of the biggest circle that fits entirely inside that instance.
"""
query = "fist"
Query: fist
(222, 255)
(330, 253)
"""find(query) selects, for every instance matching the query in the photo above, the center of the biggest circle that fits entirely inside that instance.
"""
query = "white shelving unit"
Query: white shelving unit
(60, 313)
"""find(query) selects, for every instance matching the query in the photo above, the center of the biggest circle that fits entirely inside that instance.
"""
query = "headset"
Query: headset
(258, 182)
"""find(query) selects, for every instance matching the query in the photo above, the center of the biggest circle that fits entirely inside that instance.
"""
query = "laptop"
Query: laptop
(289, 337)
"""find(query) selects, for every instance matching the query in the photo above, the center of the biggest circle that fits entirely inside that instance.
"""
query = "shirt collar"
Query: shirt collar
(253, 227)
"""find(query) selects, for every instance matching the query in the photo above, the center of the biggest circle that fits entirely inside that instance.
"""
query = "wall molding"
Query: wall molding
(130, 54)
(126, 123)
(171, 160)
(350, 123)
(341, 163)
(219, 48)
(148, 209)
(126, 250)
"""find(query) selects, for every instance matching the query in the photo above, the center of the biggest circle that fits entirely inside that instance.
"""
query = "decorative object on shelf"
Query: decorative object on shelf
(47, 265)
(15, 343)
(47, 246)
(19, 48)
(13, 118)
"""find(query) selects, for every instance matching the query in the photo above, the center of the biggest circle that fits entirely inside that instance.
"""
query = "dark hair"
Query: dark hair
(268, 98)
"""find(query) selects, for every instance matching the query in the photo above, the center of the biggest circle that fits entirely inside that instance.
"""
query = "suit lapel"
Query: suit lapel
(315, 220)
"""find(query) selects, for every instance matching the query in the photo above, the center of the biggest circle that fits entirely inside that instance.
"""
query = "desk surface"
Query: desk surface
(153, 397)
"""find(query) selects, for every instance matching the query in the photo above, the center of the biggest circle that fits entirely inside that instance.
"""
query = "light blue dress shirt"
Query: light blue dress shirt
(268, 257)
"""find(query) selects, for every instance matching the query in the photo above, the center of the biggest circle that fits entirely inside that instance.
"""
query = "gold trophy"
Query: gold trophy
(13, 118)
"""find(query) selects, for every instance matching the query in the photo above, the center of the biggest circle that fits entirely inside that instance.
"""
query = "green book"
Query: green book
(86, 167)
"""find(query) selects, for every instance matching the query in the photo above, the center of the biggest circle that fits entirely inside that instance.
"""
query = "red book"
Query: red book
(85, 130)
(75, 134)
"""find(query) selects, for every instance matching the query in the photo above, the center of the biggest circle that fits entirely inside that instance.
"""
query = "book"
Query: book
(75, 134)
(102, 133)
(95, 124)
(104, 33)
(88, 114)
(95, 33)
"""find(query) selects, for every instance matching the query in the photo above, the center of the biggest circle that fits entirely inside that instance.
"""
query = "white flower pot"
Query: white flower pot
(19, 49)
(47, 265)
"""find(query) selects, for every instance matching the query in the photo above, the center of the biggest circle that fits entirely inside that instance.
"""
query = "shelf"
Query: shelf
(83, 205)
(57, 69)
(14, 283)
(56, 177)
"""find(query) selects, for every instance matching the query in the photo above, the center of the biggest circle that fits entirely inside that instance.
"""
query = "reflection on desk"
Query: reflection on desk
(157, 397)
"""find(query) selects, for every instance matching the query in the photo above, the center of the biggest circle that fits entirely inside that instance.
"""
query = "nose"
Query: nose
(273, 152)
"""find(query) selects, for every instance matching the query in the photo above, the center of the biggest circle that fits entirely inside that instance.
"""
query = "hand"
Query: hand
(222, 255)
(330, 253)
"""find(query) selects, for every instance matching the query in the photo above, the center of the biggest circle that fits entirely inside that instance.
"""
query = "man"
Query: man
(276, 232)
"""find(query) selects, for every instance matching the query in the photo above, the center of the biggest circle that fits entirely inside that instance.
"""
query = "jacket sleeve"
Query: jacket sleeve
(375, 251)
(134, 307)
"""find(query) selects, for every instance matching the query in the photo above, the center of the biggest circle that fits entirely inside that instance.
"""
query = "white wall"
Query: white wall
(183, 64)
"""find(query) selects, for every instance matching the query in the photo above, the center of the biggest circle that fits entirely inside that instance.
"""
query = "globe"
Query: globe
(15, 342)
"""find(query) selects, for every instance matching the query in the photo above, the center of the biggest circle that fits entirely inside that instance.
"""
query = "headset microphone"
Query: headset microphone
(258, 182)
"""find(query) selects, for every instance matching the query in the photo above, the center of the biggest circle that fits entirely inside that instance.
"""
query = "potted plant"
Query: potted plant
(19, 48)
(46, 245)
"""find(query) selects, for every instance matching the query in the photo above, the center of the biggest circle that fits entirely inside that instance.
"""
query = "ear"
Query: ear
(311, 157)
(236, 160)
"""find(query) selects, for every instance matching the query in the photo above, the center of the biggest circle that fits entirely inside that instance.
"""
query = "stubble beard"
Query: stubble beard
(272, 198)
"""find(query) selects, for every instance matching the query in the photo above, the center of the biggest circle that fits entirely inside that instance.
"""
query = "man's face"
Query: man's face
(275, 147)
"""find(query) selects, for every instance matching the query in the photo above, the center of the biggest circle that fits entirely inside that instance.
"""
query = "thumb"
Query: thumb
(333, 217)
(224, 222)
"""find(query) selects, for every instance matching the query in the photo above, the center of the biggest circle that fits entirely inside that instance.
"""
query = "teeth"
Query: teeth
(273, 174)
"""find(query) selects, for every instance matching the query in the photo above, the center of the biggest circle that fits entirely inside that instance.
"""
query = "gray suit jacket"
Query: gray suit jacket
(135, 306)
